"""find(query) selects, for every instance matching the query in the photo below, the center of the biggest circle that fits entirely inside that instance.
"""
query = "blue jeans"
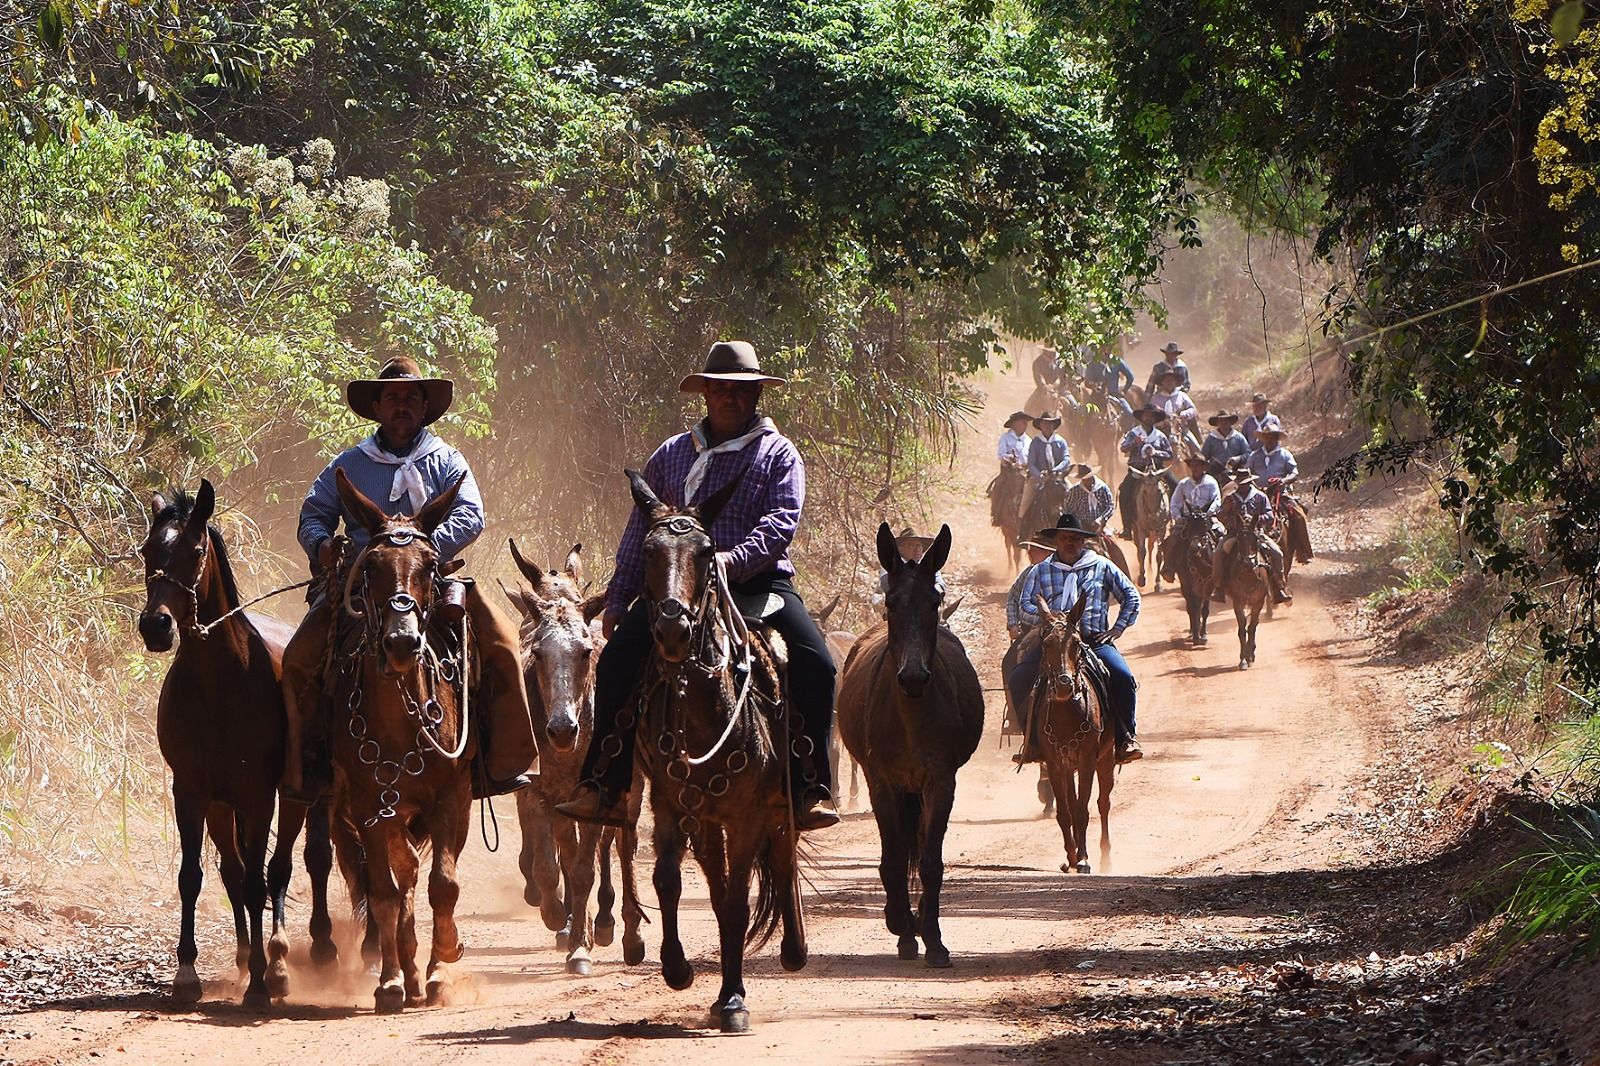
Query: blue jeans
(1122, 685)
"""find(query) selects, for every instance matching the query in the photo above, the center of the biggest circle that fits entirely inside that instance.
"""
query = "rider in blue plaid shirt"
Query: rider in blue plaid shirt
(1075, 573)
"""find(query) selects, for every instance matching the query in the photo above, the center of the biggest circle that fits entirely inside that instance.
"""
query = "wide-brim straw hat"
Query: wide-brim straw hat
(1151, 409)
(1017, 416)
(1170, 372)
(438, 393)
(1221, 417)
(729, 361)
(1171, 349)
(911, 546)
(1048, 416)
(1259, 397)
(1196, 457)
(1243, 477)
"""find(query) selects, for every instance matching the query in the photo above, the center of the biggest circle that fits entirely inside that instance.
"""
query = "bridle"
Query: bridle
(191, 621)
(1066, 686)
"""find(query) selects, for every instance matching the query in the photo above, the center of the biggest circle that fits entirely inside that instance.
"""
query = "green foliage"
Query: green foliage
(1558, 884)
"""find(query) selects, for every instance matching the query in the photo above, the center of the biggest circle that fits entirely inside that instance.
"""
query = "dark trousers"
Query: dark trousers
(1123, 687)
(810, 685)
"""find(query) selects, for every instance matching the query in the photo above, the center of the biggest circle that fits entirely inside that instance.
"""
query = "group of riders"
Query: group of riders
(403, 466)
(1237, 484)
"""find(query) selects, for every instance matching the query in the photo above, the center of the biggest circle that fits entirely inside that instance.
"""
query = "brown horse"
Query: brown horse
(220, 724)
(1151, 517)
(1195, 535)
(1005, 496)
(1078, 744)
(400, 741)
(559, 856)
(713, 711)
(1094, 428)
(911, 712)
(1248, 588)
(840, 641)
(1047, 502)
(1293, 534)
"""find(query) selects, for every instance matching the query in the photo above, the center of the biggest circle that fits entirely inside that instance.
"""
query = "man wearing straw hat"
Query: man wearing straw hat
(1245, 508)
(1169, 361)
(1047, 455)
(1147, 448)
(1013, 453)
(1089, 498)
(1260, 411)
(752, 534)
(401, 467)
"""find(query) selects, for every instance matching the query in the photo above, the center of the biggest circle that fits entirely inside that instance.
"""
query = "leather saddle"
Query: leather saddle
(757, 607)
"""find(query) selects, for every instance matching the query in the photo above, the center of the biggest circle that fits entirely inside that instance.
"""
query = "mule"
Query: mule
(559, 856)
(911, 712)
(1005, 497)
(714, 719)
(400, 742)
(1249, 589)
(220, 725)
(1077, 742)
(1196, 535)
(1151, 517)
(1047, 502)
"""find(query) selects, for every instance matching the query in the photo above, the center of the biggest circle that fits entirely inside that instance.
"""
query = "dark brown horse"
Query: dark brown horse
(1248, 587)
(714, 743)
(220, 724)
(1150, 519)
(1078, 744)
(1197, 543)
(1047, 502)
(1094, 428)
(1005, 496)
(911, 712)
(558, 859)
(400, 742)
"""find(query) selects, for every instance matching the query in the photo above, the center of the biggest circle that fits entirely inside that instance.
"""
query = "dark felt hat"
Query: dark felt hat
(1171, 349)
(1070, 523)
(438, 393)
(1152, 409)
(1048, 416)
(728, 361)
(1017, 416)
(1221, 417)
(1080, 470)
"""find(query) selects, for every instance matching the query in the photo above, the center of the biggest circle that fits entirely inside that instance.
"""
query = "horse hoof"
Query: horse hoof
(579, 966)
(530, 895)
(908, 948)
(1243, 665)
(793, 960)
(1201, 639)
(186, 986)
(278, 979)
(938, 957)
(257, 999)
(633, 950)
(677, 975)
(733, 1017)
(324, 952)
(438, 989)
(389, 999)
(1083, 867)
(605, 934)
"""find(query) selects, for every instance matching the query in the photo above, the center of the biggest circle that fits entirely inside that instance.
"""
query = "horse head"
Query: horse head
(678, 562)
(176, 574)
(559, 644)
(911, 604)
(397, 573)
(1063, 648)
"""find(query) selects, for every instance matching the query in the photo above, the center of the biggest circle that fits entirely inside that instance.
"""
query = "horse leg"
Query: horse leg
(449, 833)
(528, 823)
(190, 810)
(222, 825)
(1083, 782)
(936, 806)
(632, 912)
(668, 879)
(785, 873)
(728, 876)
(319, 864)
(544, 863)
(580, 866)
(1107, 773)
(605, 919)
(1139, 545)
(254, 828)
(1061, 785)
(565, 839)
(1244, 644)
(384, 906)
(291, 819)
(888, 808)
(355, 867)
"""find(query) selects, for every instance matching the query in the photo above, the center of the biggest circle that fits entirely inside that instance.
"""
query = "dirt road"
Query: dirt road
(1238, 765)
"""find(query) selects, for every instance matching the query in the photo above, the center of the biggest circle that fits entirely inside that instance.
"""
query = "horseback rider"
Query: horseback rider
(1197, 494)
(1047, 369)
(1040, 547)
(752, 534)
(1089, 497)
(1224, 445)
(401, 467)
(1147, 449)
(1272, 462)
(1047, 455)
(1260, 411)
(1247, 507)
(1106, 374)
(1183, 419)
(1169, 361)
(1075, 572)
(1013, 449)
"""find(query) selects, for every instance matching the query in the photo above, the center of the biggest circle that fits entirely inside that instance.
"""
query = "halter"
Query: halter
(192, 590)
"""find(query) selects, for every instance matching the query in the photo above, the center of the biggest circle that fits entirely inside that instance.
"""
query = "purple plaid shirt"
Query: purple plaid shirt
(754, 529)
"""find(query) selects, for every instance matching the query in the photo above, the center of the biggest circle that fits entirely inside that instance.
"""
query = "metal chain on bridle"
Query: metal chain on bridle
(423, 707)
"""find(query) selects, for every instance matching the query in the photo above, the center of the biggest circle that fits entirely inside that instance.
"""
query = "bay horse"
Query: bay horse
(221, 727)
(840, 641)
(911, 712)
(712, 712)
(1047, 502)
(1194, 571)
(1249, 588)
(1005, 496)
(559, 856)
(1151, 517)
(1292, 532)
(1076, 741)
(400, 741)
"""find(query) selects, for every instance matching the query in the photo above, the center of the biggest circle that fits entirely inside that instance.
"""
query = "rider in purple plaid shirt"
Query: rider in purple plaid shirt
(752, 534)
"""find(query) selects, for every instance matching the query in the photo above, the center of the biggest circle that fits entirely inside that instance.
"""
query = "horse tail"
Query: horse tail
(911, 827)
(765, 915)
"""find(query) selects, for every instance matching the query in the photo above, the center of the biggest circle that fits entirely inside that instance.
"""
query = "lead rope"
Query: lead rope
(205, 630)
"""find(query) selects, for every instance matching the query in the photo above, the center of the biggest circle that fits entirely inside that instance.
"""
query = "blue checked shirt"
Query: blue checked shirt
(1094, 578)
(754, 529)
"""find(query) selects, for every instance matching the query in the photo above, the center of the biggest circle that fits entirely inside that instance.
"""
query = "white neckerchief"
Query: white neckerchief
(702, 461)
(407, 479)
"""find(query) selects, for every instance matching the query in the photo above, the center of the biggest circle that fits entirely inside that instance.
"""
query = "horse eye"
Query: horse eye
(588, 653)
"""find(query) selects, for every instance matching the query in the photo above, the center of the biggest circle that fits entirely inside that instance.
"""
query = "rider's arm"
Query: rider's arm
(1131, 441)
(1127, 597)
(465, 520)
(1162, 445)
(320, 512)
(1027, 600)
(1066, 457)
(1291, 468)
(1014, 600)
(783, 496)
(1120, 370)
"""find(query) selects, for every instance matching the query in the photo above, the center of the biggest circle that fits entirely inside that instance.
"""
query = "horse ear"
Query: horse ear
(643, 496)
(1044, 605)
(888, 553)
(574, 565)
(711, 507)
(514, 597)
(936, 556)
(534, 575)
(594, 606)
(950, 609)
(205, 505)
(822, 615)
(438, 509)
(158, 504)
(366, 512)
(1075, 615)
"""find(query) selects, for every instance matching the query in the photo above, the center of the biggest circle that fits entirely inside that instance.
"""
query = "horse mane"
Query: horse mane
(178, 509)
